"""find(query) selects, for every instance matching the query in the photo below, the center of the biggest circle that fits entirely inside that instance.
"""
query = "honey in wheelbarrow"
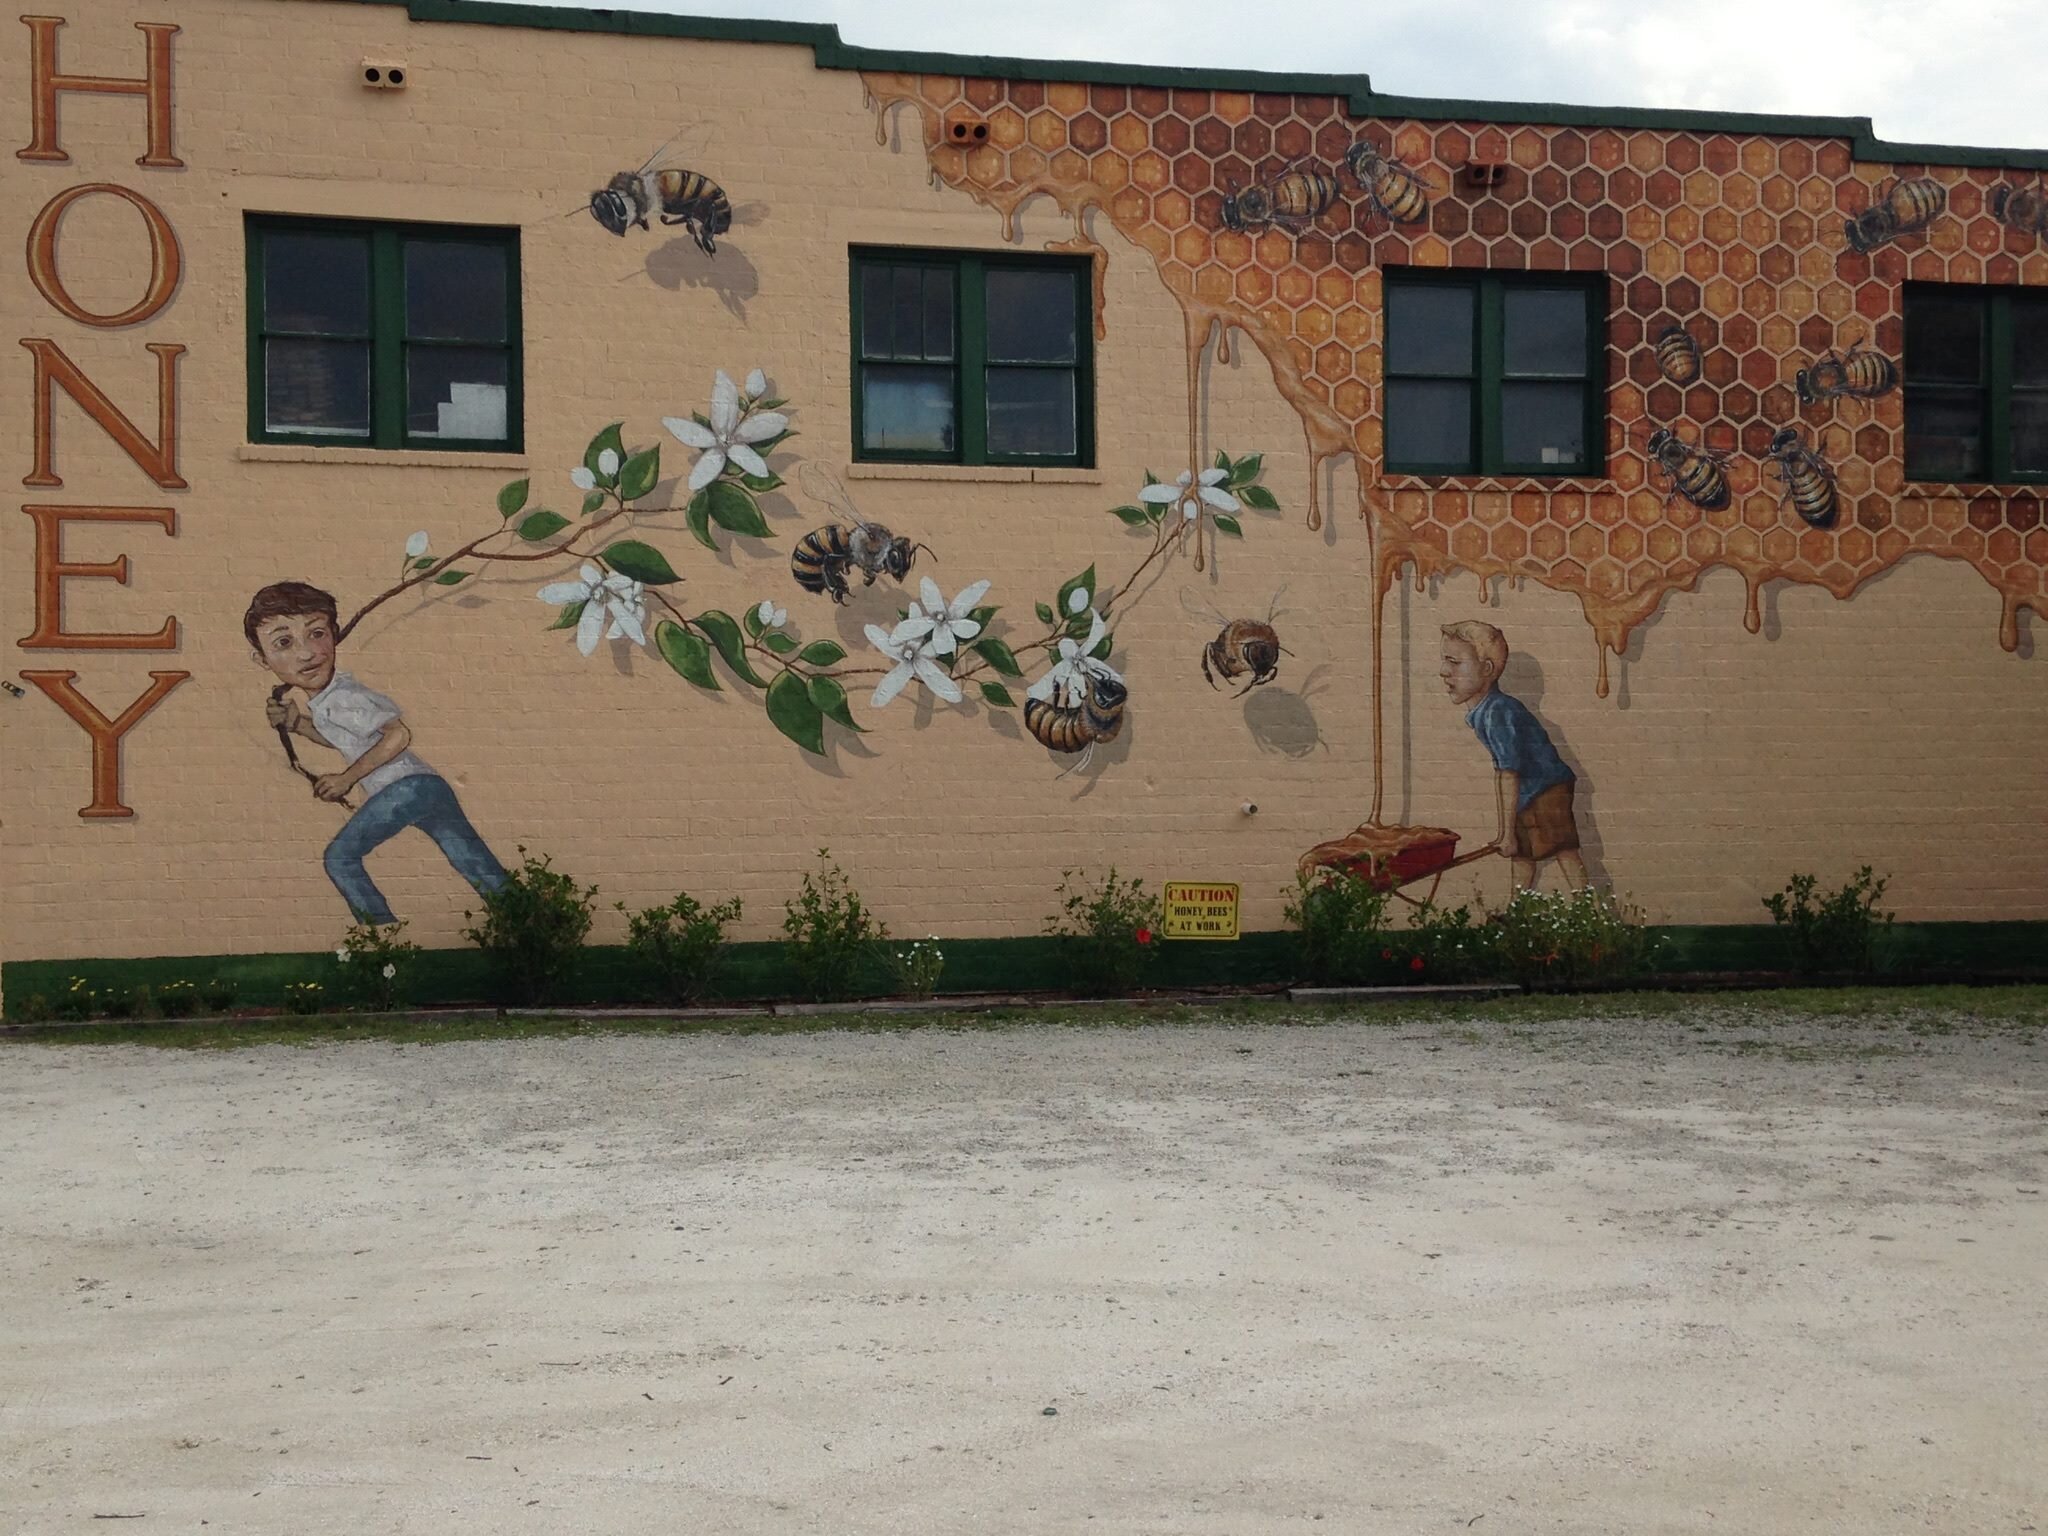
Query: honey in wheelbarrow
(1386, 857)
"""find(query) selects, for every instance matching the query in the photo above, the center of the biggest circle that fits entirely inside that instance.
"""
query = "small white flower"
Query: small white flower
(946, 623)
(912, 653)
(1077, 600)
(390, 971)
(603, 596)
(607, 465)
(730, 436)
(757, 384)
(1067, 681)
(771, 617)
(416, 545)
(341, 954)
(1192, 494)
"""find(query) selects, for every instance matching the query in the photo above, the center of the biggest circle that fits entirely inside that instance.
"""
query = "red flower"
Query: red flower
(1415, 964)
(1386, 954)
(1144, 935)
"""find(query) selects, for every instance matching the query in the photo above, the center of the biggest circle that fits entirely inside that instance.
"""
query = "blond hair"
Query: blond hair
(1488, 643)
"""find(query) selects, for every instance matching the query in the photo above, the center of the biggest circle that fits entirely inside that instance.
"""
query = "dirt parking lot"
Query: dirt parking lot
(1704, 1275)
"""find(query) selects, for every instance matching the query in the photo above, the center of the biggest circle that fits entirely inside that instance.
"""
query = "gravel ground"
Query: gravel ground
(1711, 1275)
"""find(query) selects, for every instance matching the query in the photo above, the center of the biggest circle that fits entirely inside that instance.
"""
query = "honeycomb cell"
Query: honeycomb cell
(1718, 367)
(1088, 133)
(1780, 335)
(1546, 256)
(1047, 130)
(1351, 399)
(1066, 97)
(1274, 250)
(1069, 167)
(1702, 262)
(1110, 172)
(1721, 297)
(1645, 152)
(1005, 128)
(1874, 300)
(1026, 164)
(1191, 246)
(1527, 148)
(1212, 284)
(1626, 542)
(1546, 543)
(1489, 219)
(1588, 186)
(1738, 402)
(1965, 199)
(1354, 253)
(1468, 543)
(1739, 193)
(1682, 153)
(1450, 219)
(1663, 189)
(1702, 191)
(1108, 100)
(1453, 145)
(1795, 158)
(1759, 370)
(983, 94)
(1835, 301)
(1663, 261)
(1528, 220)
(1743, 545)
(1605, 224)
(1151, 171)
(1568, 224)
(1294, 288)
(1510, 543)
(1191, 173)
(1333, 142)
(939, 90)
(1171, 136)
(1682, 225)
(1586, 542)
(1293, 141)
(1172, 208)
(1273, 109)
(1129, 135)
(1191, 104)
(1314, 325)
(1132, 208)
(1213, 137)
(1721, 226)
(1663, 402)
(1254, 140)
(1232, 106)
(1027, 95)
(1548, 186)
(1857, 547)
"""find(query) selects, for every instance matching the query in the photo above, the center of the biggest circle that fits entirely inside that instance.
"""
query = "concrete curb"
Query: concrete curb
(1474, 990)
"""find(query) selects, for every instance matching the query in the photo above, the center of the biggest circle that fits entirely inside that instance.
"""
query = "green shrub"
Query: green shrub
(532, 930)
(918, 968)
(1570, 938)
(1837, 932)
(376, 960)
(219, 994)
(1442, 944)
(832, 936)
(33, 1009)
(1111, 929)
(177, 999)
(681, 943)
(304, 997)
(77, 1001)
(1342, 921)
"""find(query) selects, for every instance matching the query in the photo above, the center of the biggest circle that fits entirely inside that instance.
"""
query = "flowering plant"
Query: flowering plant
(917, 967)
(1108, 928)
(304, 997)
(375, 960)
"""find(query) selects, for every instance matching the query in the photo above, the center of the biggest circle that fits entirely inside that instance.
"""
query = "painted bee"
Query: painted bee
(1695, 473)
(1809, 482)
(675, 194)
(1398, 192)
(1678, 355)
(826, 556)
(1097, 716)
(2021, 208)
(1861, 374)
(1290, 196)
(1902, 208)
(1241, 646)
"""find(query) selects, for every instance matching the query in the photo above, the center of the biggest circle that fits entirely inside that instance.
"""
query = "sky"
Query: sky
(1967, 72)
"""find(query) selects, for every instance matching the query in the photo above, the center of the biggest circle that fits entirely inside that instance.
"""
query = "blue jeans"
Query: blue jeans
(421, 800)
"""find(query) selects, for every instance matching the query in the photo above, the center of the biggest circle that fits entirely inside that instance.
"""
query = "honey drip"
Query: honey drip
(1084, 244)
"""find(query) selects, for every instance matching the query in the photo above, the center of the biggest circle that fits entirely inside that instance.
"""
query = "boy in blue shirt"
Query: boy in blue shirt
(1529, 775)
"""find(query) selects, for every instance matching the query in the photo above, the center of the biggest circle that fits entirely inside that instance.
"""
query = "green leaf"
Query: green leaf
(769, 444)
(1246, 470)
(1132, 516)
(449, 578)
(608, 438)
(794, 714)
(1044, 611)
(686, 652)
(571, 612)
(1222, 460)
(996, 693)
(642, 562)
(998, 655)
(732, 507)
(1258, 496)
(762, 484)
(1068, 589)
(537, 526)
(830, 697)
(425, 563)
(823, 653)
(1150, 478)
(983, 614)
(640, 473)
(592, 500)
(723, 631)
(1153, 512)
(698, 516)
(511, 498)
(1229, 525)
(751, 619)
(778, 642)
(1104, 646)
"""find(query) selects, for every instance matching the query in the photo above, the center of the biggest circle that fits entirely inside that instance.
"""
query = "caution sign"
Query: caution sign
(1199, 909)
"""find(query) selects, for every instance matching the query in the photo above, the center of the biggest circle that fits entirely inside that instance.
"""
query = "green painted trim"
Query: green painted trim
(829, 51)
(610, 975)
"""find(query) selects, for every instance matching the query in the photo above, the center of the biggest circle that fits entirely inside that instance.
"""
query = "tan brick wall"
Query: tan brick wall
(1889, 728)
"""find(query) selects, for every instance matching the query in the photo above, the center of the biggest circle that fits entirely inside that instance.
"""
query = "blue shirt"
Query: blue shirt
(1519, 744)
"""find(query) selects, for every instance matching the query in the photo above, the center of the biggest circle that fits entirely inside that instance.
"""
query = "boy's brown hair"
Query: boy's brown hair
(287, 600)
(1487, 643)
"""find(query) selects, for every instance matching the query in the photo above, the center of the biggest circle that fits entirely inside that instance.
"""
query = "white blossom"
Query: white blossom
(757, 384)
(390, 971)
(1066, 683)
(341, 953)
(416, 545)
(607, 465)
(1077, 600)
(1191, 494)
(912, 654)
(603, 595)
(731, 435)
(945, 623)
(771, 617)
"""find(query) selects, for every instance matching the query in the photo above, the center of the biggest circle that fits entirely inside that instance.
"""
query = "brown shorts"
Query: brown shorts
(1544, 827)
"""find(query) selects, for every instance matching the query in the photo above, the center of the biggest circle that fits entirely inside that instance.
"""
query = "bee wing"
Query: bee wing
(823, 487)
(1206, 611)
(687, 145)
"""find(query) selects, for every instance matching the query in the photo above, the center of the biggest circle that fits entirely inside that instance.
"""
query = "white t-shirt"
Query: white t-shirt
(351, 717)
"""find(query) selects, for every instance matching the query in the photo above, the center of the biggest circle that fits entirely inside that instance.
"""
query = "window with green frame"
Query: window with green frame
(965, 357)
(1976, 372)
(383, 335)
(1495, 373)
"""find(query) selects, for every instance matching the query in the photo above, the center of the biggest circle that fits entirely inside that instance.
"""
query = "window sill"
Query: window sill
(396, 458)
(975, 474)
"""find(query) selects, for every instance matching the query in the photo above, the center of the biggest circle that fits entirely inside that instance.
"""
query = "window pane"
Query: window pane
(907, 295)
(1430, 329)
(1543, 423)
(316, 283)
(1944, 339)
(1031, 317)
(906, 409)
(1944, 435)
(1545, 332)
(316, 386)
(456, 392)
(454, 290)
(2030, 431)
(1031, 410)
(1429, 423)
(938, 316)
(877, 312)
(2029, 341)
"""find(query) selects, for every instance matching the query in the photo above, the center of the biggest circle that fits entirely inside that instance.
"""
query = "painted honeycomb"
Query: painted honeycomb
(1738, 239)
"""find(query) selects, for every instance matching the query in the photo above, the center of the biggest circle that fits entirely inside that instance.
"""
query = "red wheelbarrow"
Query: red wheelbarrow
(1393, 858)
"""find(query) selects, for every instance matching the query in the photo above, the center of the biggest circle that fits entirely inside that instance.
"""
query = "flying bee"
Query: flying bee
(1901, 208)
(1096, 716)
(668, 190)
(1242, 646)
(1809, 482)
(1290, 196)
(825, 557)
(1695, 473)
(2021, 208)
(1397, 191)
(1678, 355)
(1861, 374)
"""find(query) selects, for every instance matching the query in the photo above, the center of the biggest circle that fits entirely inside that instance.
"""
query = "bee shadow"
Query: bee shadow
(680, 264)
(1103, 758)
(1282, 720)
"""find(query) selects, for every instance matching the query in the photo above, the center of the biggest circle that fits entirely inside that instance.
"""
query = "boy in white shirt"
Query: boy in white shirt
(295, 628)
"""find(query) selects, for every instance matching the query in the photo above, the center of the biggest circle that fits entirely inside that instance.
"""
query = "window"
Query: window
(1976, 383)
(383, 335)
(1495, 373)
(963, 358)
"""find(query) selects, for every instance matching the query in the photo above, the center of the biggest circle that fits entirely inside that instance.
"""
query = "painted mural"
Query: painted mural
(669, 190)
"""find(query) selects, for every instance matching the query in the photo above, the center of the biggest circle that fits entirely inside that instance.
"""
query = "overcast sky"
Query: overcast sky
(1967, 72)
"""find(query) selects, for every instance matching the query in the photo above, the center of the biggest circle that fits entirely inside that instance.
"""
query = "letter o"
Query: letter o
(165, 258)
